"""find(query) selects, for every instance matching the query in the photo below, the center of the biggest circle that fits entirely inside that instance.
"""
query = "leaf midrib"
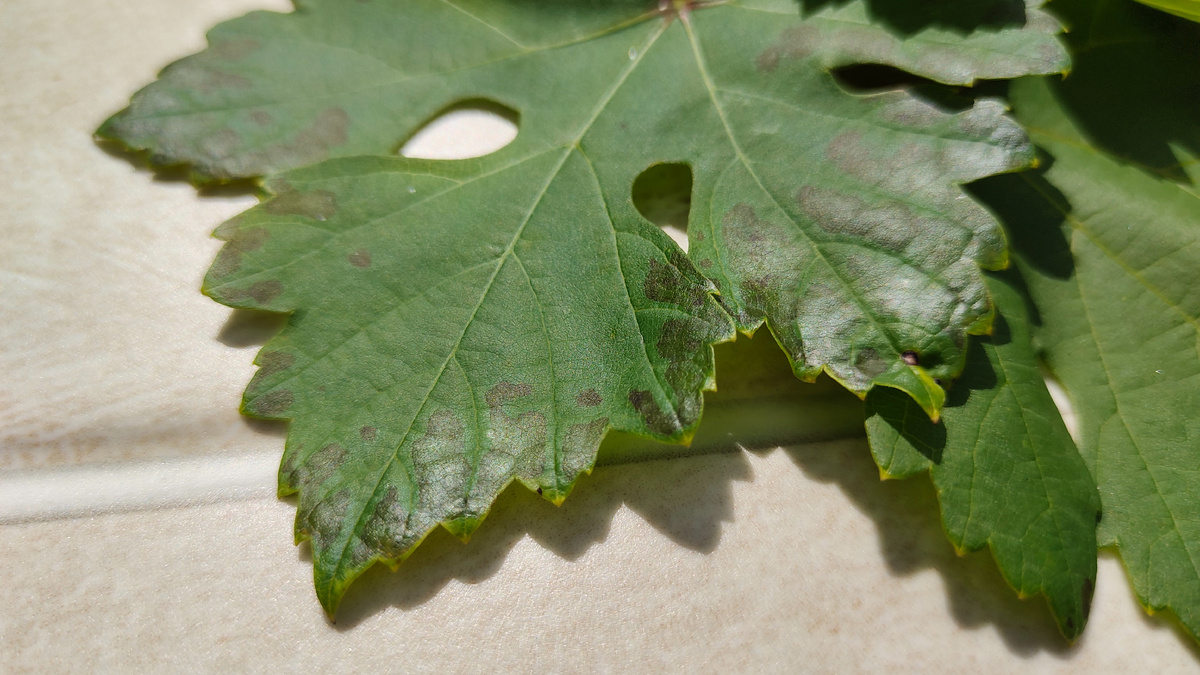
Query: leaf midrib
(712, 92)
(342, 557)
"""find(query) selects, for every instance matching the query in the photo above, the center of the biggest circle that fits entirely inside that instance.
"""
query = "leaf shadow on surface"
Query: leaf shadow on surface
(686, 500)
(1161, 621)
(907, 17)
(179, 173)
(250, 328)
(1034, 214)
(689, 501)
(911, 540)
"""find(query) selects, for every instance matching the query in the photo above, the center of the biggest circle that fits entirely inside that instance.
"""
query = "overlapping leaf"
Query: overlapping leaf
(1005, 468)
(1188, 9)
(1108, 240)
(459, 325)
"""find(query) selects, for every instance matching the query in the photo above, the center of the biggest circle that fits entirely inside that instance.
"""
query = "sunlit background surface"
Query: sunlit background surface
(139, 529)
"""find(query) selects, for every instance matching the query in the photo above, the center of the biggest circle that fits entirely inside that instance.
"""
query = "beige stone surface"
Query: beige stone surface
(795, 560)
(119, 385)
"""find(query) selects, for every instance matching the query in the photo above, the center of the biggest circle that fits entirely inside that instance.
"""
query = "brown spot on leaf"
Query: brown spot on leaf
(441, 466)
(664, 283)
(868, 362)
(200, 76)
(314, 204)
(272, 404)
(367, 433)
(441, 441)
(270, 364)
(705, 263)
(261, 117)
(314, 143)
(506, 392)
(579, 445)
(911, 358)
(656, 420)
(323, 520)
(360, 258)
(242, 241)
(383, 532)
(319, 466)
(234, 49)
(681, 344)
(795, 43)
(261, 292)
(221, 143)
(588, 398)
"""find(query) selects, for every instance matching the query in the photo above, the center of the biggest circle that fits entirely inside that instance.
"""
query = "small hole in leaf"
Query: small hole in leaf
(466, 129)
(866, 78)
(663, 195)
(873, 78)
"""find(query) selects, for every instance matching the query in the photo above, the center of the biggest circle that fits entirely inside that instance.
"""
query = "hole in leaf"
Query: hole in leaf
(872, 78)
(466, 129)
(865, 78)
(663, 195)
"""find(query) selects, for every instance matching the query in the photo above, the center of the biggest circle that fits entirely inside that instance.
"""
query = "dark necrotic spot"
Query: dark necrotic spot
(367, 433)
(664, 283)
(505, 392)
(656, 420)
(910, 357)
(272, 403)
(588, 398)
(360, 258)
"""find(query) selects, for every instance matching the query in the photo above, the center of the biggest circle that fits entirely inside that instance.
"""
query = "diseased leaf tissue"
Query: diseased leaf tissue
(457, 325)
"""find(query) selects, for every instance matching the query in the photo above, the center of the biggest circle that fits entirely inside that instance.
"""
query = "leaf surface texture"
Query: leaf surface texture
(1107, 235)
(1006, 471)
(459, 325)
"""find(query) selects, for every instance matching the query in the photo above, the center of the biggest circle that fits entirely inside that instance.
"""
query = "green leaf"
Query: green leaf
(1108, 240)
(1006, 471)
(458, 325)
(431, 359)
(1188, 9)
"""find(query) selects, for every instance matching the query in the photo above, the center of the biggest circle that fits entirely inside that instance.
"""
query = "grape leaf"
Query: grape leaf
(1107, 235)
(1188, 9)
(1006, 471)
(458, 325)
